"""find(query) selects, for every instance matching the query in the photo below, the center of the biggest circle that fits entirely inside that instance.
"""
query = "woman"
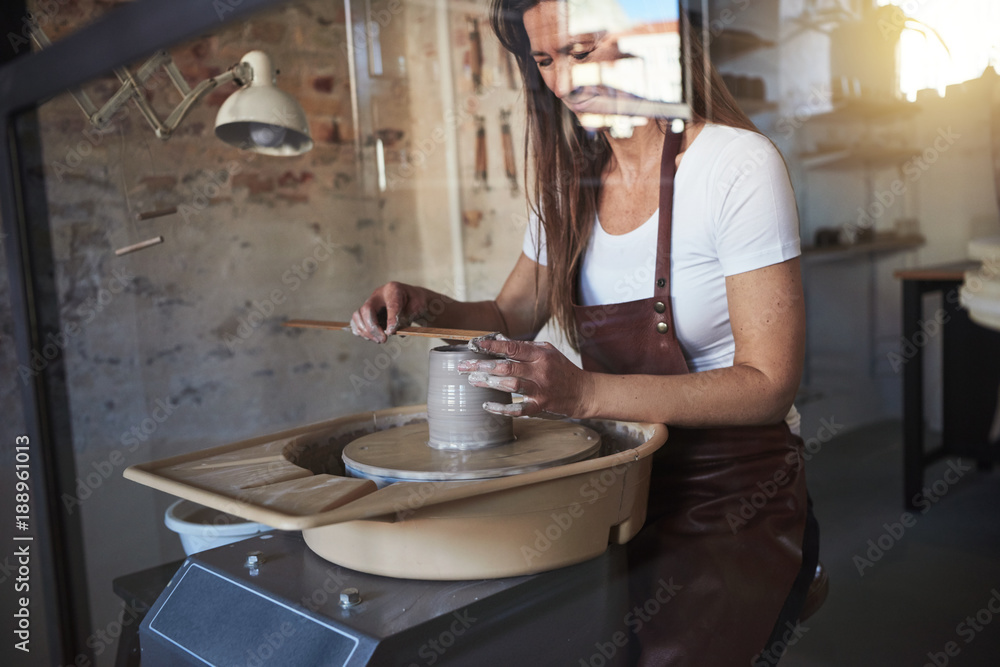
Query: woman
(705, 335)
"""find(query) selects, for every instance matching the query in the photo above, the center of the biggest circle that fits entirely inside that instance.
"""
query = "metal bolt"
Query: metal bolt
(254, 560)
(349, 597)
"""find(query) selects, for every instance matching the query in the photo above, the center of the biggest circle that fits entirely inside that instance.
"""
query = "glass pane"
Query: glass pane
(16, 451)
(178, 345)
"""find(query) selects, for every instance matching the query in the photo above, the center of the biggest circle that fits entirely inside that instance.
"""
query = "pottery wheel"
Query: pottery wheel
(402, 454)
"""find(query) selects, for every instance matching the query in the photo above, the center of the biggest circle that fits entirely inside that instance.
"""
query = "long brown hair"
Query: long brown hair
(569, 159)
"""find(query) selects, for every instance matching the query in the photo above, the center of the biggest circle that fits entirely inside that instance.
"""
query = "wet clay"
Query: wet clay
(455, 415)
(460, 439)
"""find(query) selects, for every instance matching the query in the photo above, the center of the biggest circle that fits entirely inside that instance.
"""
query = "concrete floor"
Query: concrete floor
(907, 601)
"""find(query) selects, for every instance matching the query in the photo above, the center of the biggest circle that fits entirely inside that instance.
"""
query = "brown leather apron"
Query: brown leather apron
(727, 506)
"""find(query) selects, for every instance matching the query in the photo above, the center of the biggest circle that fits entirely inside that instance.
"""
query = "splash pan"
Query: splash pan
(444, 530)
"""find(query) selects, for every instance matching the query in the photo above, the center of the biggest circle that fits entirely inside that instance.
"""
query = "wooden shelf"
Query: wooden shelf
(857, 156)
(883, 243)
(950, 271)
(861, 109)
(752, 107)
(730, 44)
(823, 20)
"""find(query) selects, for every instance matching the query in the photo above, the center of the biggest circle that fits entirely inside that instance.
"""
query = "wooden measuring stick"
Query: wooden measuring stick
(427, 332)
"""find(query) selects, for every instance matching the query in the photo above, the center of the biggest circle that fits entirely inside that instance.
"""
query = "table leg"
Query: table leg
(913, 397)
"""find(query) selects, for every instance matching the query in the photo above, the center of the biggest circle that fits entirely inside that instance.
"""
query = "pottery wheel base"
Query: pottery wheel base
(402, 454)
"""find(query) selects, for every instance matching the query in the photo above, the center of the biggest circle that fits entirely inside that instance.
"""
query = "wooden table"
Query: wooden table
(970, 375)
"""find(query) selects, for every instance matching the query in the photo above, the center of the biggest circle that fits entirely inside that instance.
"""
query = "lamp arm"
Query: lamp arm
(177, 78)
(132, 85)
(82, 99)
(131, 88)
(239, 73)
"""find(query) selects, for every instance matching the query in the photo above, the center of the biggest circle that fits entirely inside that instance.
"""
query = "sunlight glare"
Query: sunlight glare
(971, 30)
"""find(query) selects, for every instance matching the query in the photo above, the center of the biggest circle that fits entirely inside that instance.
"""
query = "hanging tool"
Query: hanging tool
(156, 240)
(476, 53)
(481, 161)
(508, 149)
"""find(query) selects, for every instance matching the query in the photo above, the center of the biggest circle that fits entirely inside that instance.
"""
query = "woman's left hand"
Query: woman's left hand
(548, 380)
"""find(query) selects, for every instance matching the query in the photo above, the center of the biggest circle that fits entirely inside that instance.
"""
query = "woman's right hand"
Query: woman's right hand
(392, 306)
(515, 312)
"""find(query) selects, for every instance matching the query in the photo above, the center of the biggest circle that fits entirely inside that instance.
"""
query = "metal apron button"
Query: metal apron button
(663, 327)
(659, 307)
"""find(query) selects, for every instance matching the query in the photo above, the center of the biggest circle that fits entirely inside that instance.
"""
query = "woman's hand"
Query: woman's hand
(542, 374)
(397, 305)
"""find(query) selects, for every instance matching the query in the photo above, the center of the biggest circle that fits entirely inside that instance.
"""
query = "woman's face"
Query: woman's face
(556, 52)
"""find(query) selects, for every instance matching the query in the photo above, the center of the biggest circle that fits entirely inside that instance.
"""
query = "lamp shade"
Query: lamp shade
(262, 118)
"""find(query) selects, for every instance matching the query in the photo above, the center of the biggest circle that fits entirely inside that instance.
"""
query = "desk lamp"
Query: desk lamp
(257, 117)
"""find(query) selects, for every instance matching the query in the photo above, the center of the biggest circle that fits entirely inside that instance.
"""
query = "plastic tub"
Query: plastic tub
(202, 528)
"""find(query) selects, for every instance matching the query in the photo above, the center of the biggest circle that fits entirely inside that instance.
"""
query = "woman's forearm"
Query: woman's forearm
(739, 395)
(446, 313)
(519, 310)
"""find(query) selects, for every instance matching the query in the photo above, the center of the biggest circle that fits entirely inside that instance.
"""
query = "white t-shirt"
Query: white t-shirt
(734, 211)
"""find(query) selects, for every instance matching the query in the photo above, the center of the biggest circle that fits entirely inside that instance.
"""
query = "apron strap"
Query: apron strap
(668, 169)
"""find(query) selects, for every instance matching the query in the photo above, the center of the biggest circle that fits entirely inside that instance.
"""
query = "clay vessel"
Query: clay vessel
(455, 415)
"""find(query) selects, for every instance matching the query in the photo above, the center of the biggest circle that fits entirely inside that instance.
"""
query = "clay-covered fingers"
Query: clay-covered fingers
(397, 300)
(491, 366)
(503, 375)
(501, 382)
(480, 343)
(498, 345)
(364, 323)
(538, 371)
(525, 408)
(385, 311)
